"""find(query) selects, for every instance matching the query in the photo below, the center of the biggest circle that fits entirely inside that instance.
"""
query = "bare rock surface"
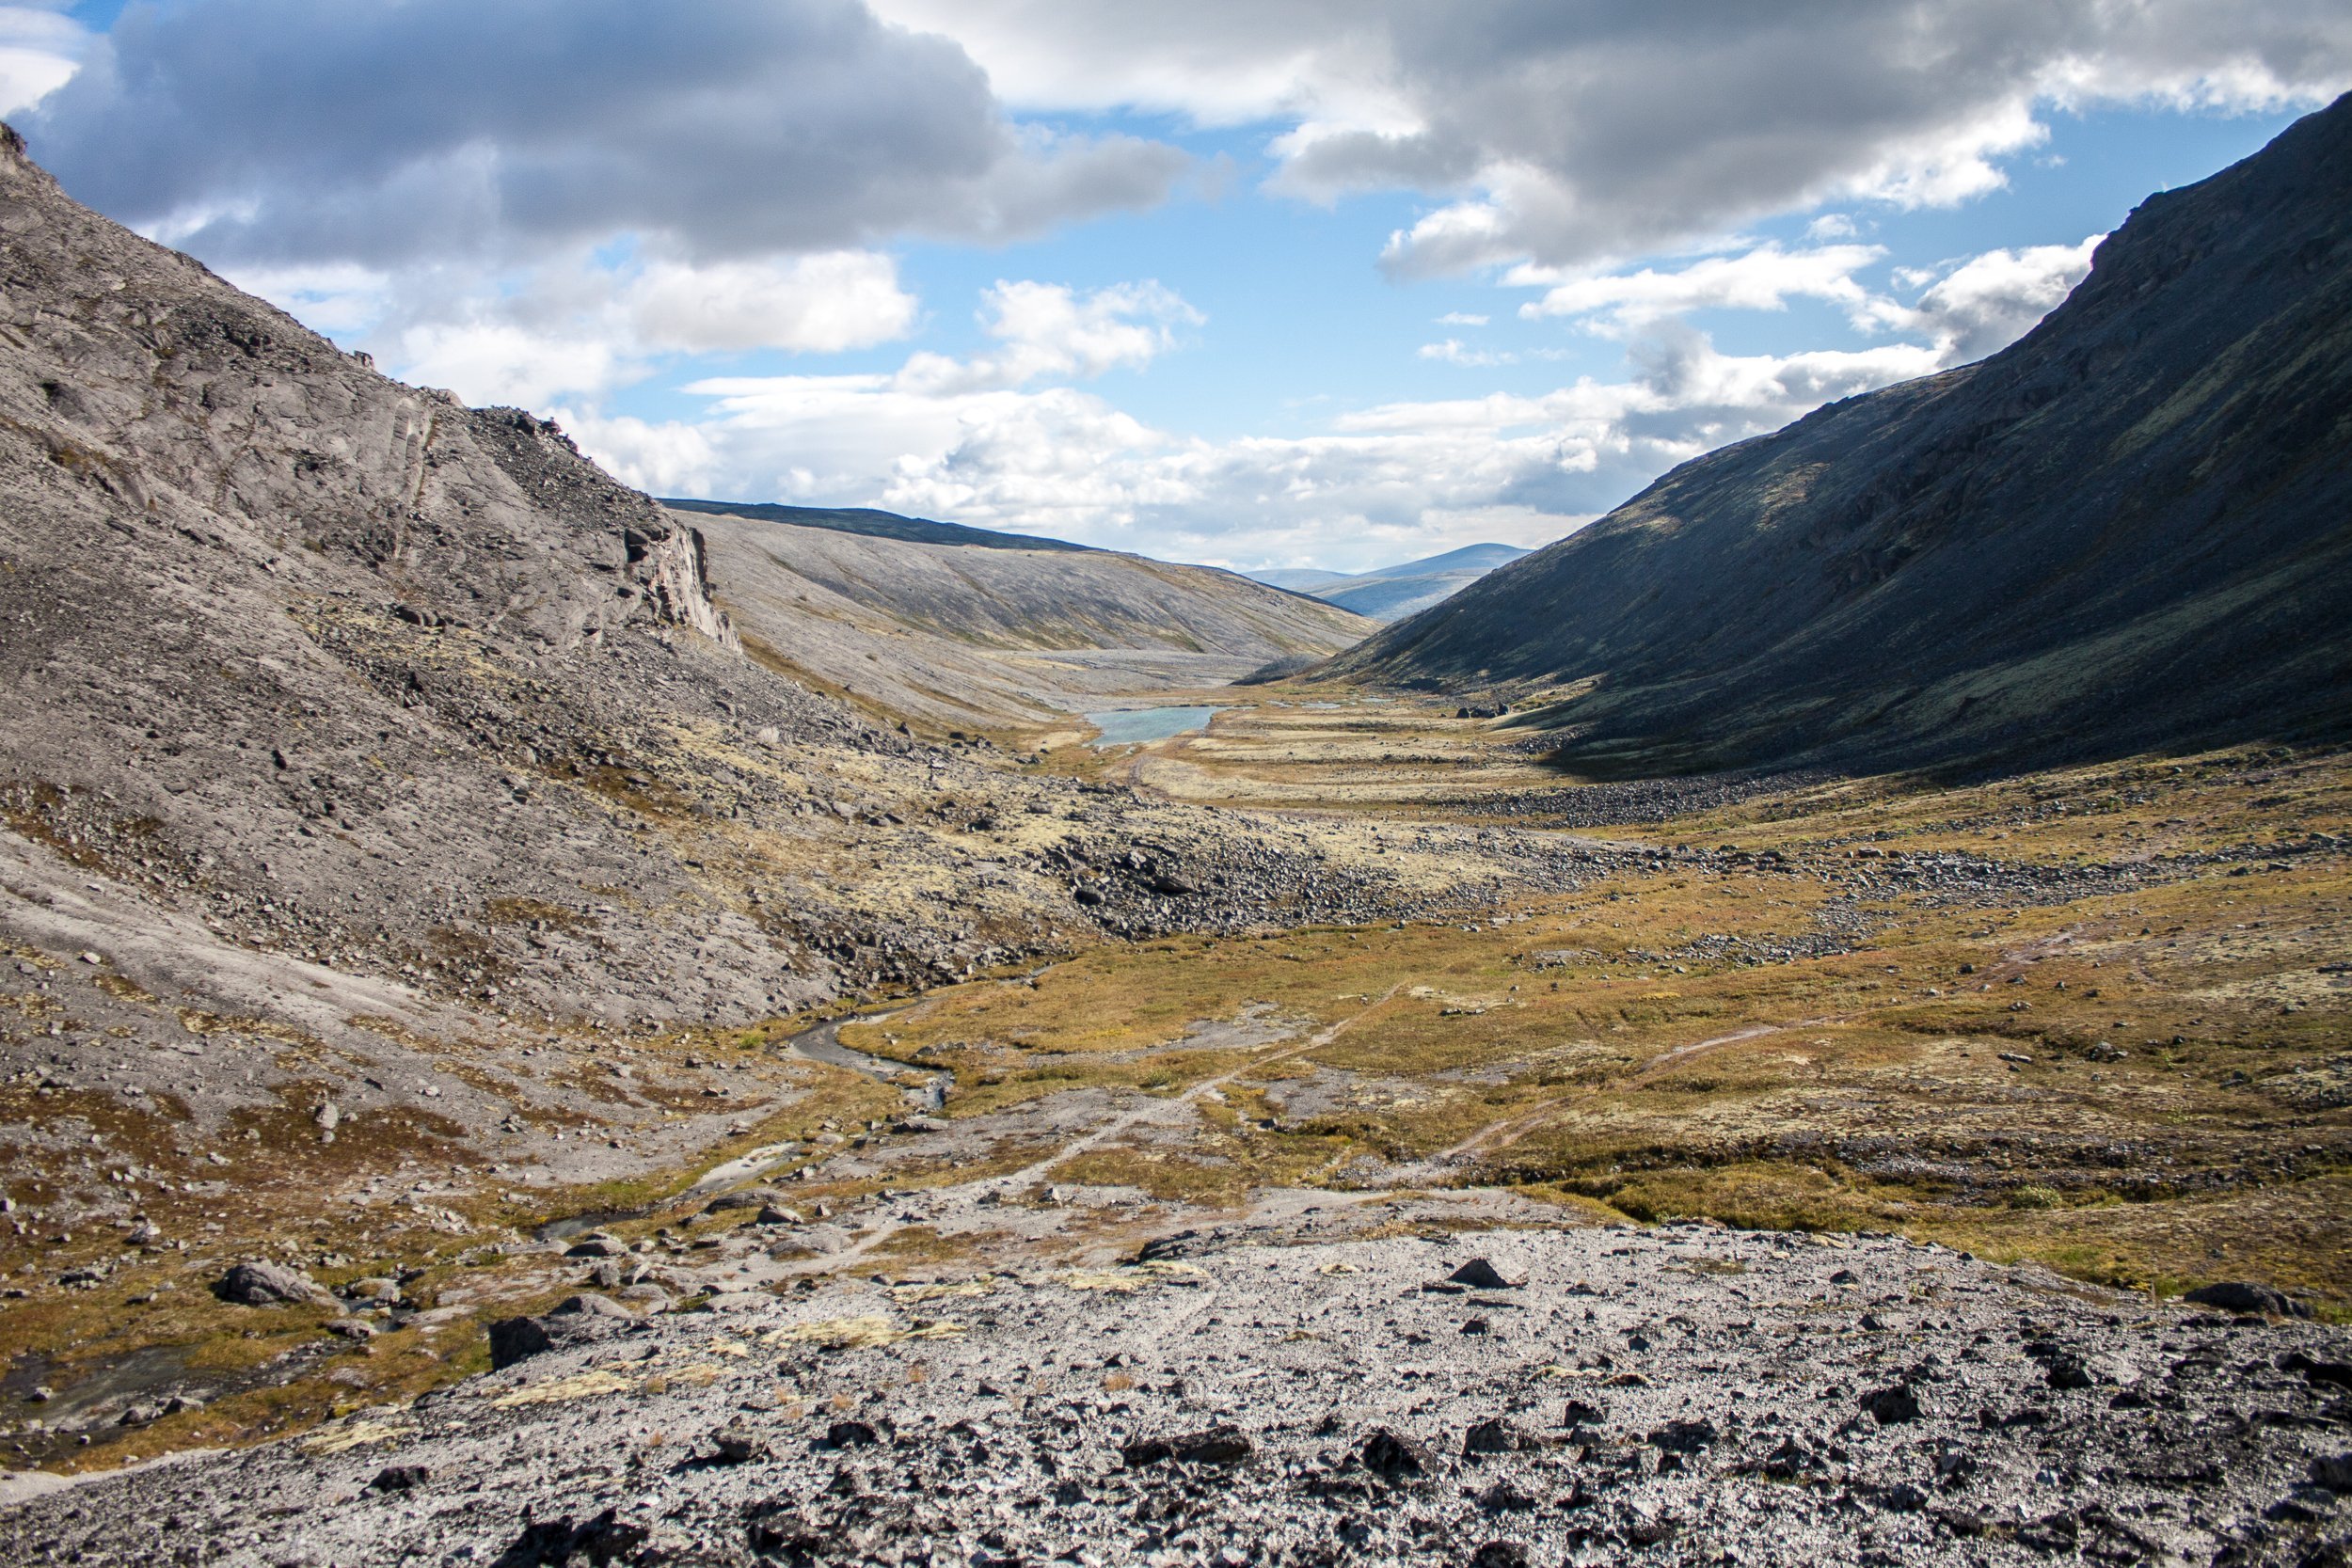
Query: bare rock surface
(1686, 1394)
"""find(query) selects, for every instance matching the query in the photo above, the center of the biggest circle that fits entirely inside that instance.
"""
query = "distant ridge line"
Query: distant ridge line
(875, 524)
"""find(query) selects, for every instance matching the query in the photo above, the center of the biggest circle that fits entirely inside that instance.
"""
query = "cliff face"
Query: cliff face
(2131, 528)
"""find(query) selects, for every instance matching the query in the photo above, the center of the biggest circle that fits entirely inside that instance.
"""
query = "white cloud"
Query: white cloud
(1991, 300)
(1580, 132)
(824, 303)
(1453, 352)
(39, 50)
(1381, 480)
(1050, 330)
(498, 362)
(1462, 318)
(1763, 278)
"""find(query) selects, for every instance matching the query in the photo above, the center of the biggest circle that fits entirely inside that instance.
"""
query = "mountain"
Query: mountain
(2131, 528)
(874, 525)
(318, 680)
(964, 627)
(1392, 592)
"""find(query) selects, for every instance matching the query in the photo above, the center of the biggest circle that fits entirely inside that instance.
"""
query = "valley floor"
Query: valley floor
(2097, 1021)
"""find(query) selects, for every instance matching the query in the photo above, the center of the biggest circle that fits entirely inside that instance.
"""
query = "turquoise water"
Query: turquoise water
(1130, 725)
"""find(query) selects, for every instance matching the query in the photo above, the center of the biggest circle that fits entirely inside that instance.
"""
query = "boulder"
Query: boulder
(259, 1282)
(2243, 1296)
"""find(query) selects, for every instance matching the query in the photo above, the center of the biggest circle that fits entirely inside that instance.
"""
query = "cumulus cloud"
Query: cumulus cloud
(1991, 300)
(1572, 132)
(39, 49)
(282, 132)
(1763, 278)
(1064, 461)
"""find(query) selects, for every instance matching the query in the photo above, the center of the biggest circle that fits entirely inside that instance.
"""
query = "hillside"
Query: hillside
(2132, 528)
(1392, 592)
(962, 626)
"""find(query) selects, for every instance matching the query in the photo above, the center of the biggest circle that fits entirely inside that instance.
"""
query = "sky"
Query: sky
(1331, 283)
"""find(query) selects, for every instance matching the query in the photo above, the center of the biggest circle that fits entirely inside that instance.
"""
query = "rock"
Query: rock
(1219, 1445)
(1479, 1275)
(596, 1246)
(773, 1214)
(2069, 1371)
(1499, 1554)
(1507, 1497)
(513, 1339)
(2240, 1296)
(1578, 1413)
(602, 1540)
(2333, 1471)
(593, 1306)
(734, 1446)
(1685, 1436)
(1496, 1436)
(851, 1434)
(400, 1478)
(743, 1198)
(1394, 1457)
(261, 1283)
(352, 1328)
(1891, 1406)
(2336, 1372)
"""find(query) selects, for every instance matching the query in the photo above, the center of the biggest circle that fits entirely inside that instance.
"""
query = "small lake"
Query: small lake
(1129, 726)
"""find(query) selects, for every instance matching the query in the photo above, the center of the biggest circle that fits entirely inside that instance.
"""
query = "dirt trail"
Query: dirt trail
(966, 1195)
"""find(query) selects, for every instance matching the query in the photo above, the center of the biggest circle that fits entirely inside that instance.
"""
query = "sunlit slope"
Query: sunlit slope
(956, 625)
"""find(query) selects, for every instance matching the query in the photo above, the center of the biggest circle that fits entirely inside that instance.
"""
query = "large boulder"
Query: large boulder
(259, 1282)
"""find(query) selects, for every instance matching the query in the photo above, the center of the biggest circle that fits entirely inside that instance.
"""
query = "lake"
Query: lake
(1129, 726)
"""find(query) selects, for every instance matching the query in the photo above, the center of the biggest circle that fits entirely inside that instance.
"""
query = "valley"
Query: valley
(541, 1025)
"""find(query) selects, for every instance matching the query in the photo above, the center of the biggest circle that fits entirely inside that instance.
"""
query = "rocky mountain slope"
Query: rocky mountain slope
(964, 627)
(1682, 1396)
(1393, 593)
(2132, 528)
(368, 756)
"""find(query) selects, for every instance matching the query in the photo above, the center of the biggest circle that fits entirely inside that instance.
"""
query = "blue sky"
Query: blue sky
(1304, 283)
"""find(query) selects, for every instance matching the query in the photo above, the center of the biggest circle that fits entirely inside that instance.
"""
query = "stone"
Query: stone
(851, 1434)
(1685, 1437)
(1892, 1406)
(735, 1446)
(743, 1198)
(2241, 1296)
(1479, 1275)
(1394, 1457)
(400, 1478)
(1495, 1436)
(1499, 1554)
(587, 1303)
(513, 1339)
(260, 1283)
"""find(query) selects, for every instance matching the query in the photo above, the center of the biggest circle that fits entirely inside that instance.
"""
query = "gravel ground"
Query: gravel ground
(1686, 1394)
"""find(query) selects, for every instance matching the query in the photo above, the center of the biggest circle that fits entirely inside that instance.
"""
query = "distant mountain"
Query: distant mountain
(1393, 592)
(877, 525)
(963, 626)
(2132, 529)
